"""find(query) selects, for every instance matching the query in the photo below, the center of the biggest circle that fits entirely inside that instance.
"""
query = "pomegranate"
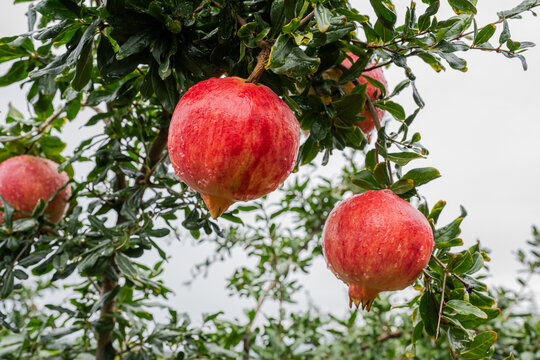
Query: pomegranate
(367, 125)
(25, 179)
(376, 242)
(232, 141)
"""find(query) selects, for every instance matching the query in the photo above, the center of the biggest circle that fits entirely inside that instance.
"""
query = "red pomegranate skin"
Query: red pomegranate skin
(25, 179)
(367, 125)
(232, 141)
(376, 242)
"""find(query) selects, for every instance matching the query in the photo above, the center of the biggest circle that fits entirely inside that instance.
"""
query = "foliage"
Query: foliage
(130, 62)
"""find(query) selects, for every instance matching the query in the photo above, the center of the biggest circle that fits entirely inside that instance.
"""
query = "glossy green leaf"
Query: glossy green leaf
(288, 59)
(366, 180)
(480, 346)
(462, 6)
(322, 17)
(422, 176)
(484, 34)
(403, 158)
(464, 308)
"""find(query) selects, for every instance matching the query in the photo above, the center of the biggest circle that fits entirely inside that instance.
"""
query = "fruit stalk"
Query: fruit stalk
(262, 59)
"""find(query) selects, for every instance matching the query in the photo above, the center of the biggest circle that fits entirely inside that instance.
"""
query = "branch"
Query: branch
(41, 129)
(441, 305)
(307, 19)
(384, 337)
(260, 302)
(468, 286)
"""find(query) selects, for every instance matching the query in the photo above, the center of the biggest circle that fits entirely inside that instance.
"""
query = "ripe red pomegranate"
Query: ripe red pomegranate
(367, 125)
(376, 242)
(232, 141)
(25, 179)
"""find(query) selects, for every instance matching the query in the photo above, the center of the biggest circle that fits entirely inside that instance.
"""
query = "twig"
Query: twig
(306, 19)
(377, 123)
(41, 129)
(441, 306)
(468, 286)
(384, 337)
(20, 254)
(95, 285)
(260, 302)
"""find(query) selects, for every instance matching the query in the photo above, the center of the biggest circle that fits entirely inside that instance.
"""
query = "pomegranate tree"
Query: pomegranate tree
(231, 140)
(25, 179)
(376, 242)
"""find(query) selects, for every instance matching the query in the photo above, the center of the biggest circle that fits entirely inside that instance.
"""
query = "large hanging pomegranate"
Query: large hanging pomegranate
(232, 141)
(376, 242)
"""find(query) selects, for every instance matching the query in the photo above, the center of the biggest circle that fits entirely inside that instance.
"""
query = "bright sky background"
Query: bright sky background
(482, 128)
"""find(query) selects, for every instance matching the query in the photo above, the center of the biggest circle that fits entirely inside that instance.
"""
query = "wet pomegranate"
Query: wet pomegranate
(232, 141)
(25, 179)
(376, 242)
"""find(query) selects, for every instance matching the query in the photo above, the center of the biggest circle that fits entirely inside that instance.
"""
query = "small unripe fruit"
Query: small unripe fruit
(376, 242)
(232, 141)
(25, 179)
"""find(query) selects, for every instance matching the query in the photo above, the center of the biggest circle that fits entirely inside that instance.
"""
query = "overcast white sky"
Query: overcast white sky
(482, 128)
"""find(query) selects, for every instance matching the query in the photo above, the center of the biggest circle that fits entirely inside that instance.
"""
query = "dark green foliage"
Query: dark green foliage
(130, 62)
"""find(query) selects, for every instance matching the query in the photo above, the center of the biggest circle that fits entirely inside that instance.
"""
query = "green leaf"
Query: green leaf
(480, 346)
(83, 71)
(350, 106)
(429, 313)
(58, 9)
(485, 34)
(464, 308)
(68, 58)
(385, 12)
(454, 61)
(125, 265)
(7, 284)
(431, 60)
(322, 17)
(135, 44)
(17, 72)
(393, 108)
(23, 225)
(105, 299)
(462, 6)
(524, 6)
(424, 20)
(52, 31)
(366, 180)
(52, 145)
(449, 231)
(422, 176)
(232, 218)
(403, 158)
(288, 59)
(463, 263)
(8, 210)
(402, 186)
(505, 34)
